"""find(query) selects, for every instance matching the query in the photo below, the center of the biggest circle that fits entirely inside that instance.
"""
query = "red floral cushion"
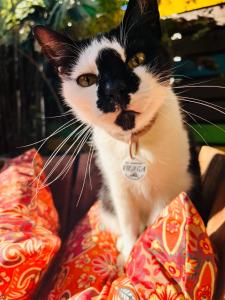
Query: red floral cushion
(28, 227)
(173, 259)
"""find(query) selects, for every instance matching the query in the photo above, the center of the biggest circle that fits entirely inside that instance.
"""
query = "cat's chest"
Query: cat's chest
(165, 163)
(114, 158)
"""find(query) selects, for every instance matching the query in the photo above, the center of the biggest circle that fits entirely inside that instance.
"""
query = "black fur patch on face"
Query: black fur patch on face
(143, 14)
(116, 81)
(126, 119)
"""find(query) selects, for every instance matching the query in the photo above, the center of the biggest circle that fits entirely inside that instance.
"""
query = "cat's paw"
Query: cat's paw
(119, 244)
(124, 247)
(120, 262)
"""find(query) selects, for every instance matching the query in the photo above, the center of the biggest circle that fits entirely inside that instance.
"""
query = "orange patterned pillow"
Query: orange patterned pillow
(28, 227)
(173, 259)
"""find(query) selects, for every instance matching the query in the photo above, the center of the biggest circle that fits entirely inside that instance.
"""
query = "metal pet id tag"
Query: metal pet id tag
(134, 169)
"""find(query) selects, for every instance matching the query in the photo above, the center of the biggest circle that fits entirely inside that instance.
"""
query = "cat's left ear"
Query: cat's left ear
(58, 48)
(142, 15)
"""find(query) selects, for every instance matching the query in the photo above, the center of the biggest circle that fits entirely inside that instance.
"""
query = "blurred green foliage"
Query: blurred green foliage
(80, 18)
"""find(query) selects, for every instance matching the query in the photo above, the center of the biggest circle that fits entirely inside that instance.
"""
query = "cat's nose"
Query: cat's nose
(115, 89)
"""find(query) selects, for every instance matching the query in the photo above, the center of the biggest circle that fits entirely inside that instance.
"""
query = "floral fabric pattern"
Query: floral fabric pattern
(88, 263)
(172, 260)
(28, 227)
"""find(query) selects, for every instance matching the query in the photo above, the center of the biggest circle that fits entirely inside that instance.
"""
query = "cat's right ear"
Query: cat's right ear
(58, 48)
(142, 16)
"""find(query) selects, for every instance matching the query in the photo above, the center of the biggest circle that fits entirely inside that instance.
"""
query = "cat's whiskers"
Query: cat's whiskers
(153, 68)
(195, 100)
(56, 151)
(168, 77)
(167, 71)
(89, 168)
(67, 113)
(45, 183)
(38, 177)
(167, 74)
(215, 107)
(201, 118)
(76, 152)
(151, 88)
(199, 102)
(199, 86)
(190, 115)
(61, 128)
(202, 103)
(196, 132)
(85, 176)
(165, 117)
(67, 151)
(83, 136)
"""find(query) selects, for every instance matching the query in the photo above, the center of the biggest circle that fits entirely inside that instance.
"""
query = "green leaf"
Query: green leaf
(91, 11)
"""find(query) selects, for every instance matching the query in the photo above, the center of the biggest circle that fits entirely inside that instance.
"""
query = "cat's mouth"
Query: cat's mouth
(126, 119)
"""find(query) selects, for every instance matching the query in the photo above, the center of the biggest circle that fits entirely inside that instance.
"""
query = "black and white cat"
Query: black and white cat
(112, 82)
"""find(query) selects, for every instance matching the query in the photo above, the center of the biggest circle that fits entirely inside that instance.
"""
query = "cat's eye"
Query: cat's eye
(87, 80)
(137, 60)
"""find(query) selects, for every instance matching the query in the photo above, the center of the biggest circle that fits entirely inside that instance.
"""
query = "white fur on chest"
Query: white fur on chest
(164, 150)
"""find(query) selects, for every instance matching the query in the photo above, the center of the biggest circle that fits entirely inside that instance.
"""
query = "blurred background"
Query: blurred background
(30, 105)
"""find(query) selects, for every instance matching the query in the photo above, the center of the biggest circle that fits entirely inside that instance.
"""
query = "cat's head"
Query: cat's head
(111, 80)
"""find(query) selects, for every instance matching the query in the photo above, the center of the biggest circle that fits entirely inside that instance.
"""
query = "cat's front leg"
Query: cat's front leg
(128, 216)
(121, 216)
